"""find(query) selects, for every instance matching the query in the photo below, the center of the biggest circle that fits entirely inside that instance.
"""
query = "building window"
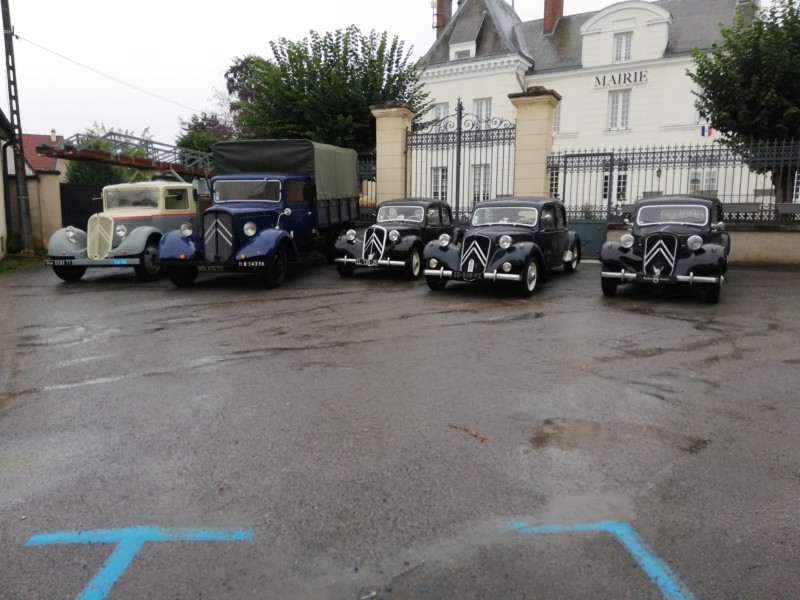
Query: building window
(482, 107)
(622, 47)
(557, 119)
(616, 188)
(481, 179)
(441, 110)
(439, 177)
(554, 181)
(796, 197)
(703, 180)
(462, 54)
(619, 106)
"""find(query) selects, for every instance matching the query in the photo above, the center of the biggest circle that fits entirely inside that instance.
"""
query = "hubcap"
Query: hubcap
(531, 276)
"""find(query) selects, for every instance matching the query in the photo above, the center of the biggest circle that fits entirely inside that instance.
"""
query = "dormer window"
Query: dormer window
(461, 51)
(622, 47)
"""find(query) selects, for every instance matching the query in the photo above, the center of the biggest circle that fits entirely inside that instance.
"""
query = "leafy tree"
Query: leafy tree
(321, 88)
(750, 84)
(202, 131)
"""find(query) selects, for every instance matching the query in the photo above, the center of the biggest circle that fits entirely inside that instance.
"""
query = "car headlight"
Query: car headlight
(505, 241)
(351, 235)
(694, 242)
(394, 235)
(506, 267)
(186, 229)
(444, 240)
(70, 233)
(249, 229)
(433, 263)
(626, 240)
(121, 231)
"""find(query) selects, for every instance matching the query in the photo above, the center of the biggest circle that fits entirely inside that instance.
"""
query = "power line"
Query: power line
(106, 75)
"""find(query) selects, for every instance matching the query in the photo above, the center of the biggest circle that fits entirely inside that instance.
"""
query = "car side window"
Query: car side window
(433, 216)
(446, 219)
(294, 192)
(548, 218)
(176, 199)
(561, 220)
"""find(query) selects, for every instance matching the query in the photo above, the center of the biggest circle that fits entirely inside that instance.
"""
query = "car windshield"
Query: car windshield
(237, 190)
(671, 213)
(502, 215)
(147, 198)
(400, 213)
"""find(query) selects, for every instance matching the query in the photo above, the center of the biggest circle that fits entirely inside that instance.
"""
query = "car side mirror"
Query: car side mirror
(718, 226)
(287, 211)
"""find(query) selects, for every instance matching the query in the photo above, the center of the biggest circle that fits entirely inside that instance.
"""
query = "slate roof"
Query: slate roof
(498, 31)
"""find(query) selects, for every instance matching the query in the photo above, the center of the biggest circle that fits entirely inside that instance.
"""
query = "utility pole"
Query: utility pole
(25, 240)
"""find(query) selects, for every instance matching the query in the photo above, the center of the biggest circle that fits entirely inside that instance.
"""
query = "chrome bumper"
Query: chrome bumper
(639, 278)
(375, 263)
(493, 276)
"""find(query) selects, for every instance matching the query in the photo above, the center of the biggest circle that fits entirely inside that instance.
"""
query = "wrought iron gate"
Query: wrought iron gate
(462, 159)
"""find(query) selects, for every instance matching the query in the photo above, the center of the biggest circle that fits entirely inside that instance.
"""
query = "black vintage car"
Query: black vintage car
(401, 230)
(675, 239)
(513, 240)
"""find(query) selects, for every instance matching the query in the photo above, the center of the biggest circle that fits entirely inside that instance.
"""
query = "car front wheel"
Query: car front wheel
(413, 267)
(712, 292)
(148, 268)
(182, 276)
(435, 283)
(277, 267)
(609, 286)
(69, 273)
(530, 277)
(572, 266)
(345, 270)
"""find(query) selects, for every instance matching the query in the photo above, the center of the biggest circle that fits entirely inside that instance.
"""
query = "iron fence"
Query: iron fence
(756, 183)
(462, 159)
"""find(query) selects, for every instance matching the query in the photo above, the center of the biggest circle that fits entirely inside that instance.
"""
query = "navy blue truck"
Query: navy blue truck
(273, 202)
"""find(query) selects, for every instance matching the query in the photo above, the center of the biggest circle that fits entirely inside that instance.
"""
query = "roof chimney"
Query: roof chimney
(442, 11)
(553, 11)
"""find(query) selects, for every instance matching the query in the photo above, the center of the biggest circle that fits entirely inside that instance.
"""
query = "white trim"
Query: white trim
(659, 15)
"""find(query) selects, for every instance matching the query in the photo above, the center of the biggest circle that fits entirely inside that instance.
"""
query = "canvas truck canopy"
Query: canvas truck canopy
(333, 169)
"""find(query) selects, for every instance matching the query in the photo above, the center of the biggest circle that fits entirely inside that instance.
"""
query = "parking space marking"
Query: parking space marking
(656, 569)
(128, 542)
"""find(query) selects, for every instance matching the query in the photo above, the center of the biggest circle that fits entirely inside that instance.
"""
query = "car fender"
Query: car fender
(59, 245)
(406, 243)
(447, 256)
(174, 245)
(347, 248)
(517, 255)
(573, 240)
(136, 240)
(710, 259)
(265, 243)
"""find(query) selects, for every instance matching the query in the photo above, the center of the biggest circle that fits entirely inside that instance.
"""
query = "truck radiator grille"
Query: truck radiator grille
(475, 253)
(218, 234)
(660, 251)
(99, 236)
(374, 243)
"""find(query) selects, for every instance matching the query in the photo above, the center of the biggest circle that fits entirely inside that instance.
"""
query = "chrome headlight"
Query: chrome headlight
(351, 235)
(433, 263)
(626, 241)
(505, 242)
(121, 231)
(444, 240)
(70, 233)
(394, 235)
(694, 242)
(249, 229)
(506, 267)
(186, 229)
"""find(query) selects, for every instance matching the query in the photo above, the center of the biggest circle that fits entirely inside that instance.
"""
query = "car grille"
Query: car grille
(475, 253)
(660, 251)
(218, 234)
(374, 243)
(99, 236)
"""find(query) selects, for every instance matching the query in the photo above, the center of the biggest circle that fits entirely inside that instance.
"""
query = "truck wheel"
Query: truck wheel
(148, 269)
(68, 273)
(182, 276)
(345, 270)
(413, 268)
(609, 286)
(277, 266)
(435, 283)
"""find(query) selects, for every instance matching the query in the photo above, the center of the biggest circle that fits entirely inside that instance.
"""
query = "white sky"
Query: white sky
(178, 50)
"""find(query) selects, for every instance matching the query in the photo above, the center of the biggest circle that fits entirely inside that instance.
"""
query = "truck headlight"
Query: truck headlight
(444, 240)
(394, 235)
(694, 242)
(70, 233)
(505, 242)
(626, 241)
(351, 235)
(121, 231)
(250, 229)
(186, 229)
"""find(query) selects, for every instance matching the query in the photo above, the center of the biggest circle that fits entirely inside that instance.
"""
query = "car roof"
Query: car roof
(532, 201)
(680, 199)
(423, 202)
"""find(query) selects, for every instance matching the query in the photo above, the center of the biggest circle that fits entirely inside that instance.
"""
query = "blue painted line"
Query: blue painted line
(656, 569)
(128, 543)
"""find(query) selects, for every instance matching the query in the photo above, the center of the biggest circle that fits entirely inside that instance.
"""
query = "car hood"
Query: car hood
(402, 227)
(675, 229)
(495, 232)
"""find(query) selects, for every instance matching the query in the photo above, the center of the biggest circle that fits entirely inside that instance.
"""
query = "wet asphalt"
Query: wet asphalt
(369, 438)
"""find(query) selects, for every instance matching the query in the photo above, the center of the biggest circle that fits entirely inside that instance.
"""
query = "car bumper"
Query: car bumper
(363, 262)
(629, 276)
(465, 276)
(92, 262)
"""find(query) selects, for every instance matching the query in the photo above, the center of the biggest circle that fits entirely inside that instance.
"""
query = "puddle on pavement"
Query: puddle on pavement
(579, 434)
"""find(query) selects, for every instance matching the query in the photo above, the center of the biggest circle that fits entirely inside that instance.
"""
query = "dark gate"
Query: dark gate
(462, 159)
(79, 202)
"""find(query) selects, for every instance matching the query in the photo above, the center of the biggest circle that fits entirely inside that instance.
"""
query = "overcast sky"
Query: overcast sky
(149, 63)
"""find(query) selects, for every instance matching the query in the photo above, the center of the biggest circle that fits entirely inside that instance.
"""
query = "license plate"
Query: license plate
(210, 269)
(60, 262)
(119, 261)
(250, 264)
(366, 262)
(466, 276)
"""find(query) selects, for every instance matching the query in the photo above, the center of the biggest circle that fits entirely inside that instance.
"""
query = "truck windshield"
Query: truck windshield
(400, 213)
(692, 215)
(237, 190)
(131, 198)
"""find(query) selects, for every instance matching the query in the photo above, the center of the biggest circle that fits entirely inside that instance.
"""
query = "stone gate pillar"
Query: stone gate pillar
(392, 121)
(534, 140)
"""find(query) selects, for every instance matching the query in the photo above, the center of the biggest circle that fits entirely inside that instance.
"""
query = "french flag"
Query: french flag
(705, 130)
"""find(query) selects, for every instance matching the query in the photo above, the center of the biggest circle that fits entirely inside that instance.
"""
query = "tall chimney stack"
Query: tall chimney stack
(444, 11)
(553, 11)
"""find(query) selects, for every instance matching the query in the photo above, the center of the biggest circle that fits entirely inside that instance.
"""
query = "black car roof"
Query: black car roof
(423, 202)
(532, 201)
(680, 199)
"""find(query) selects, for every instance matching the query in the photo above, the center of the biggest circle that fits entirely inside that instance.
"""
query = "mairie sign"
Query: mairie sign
(625, 79)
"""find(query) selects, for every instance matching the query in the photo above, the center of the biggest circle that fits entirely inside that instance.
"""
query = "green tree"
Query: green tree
(202, 131)
(321, 88)
(749, 85)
